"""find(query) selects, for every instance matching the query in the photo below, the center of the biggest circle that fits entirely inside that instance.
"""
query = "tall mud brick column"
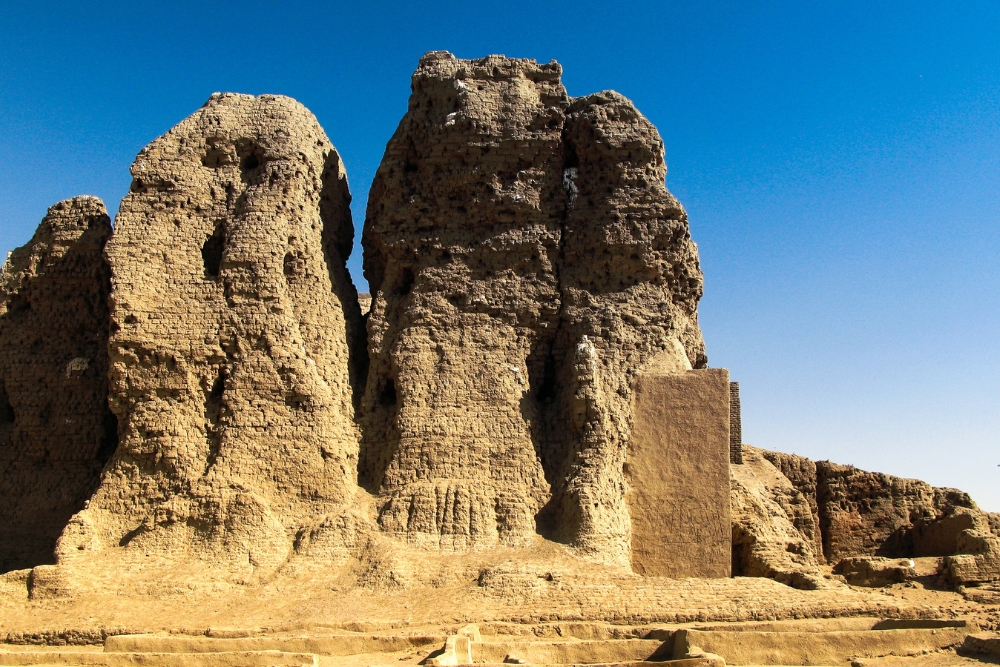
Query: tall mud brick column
(735, 425)
(232, 315)
(461, 245)
(678, 475)
(526, 263)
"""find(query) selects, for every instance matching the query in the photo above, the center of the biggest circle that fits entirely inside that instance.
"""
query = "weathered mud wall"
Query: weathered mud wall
(866, 513)
(56, 430)
(232, 318)
(526, 263)
(801, 472)
(773, 533)
(630, 282)
(461, 249)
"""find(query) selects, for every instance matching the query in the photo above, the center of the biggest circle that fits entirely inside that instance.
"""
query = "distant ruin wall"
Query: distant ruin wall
(860, 512)
(56, 430)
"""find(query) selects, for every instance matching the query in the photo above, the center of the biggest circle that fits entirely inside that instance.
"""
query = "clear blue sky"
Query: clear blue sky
(840, 164)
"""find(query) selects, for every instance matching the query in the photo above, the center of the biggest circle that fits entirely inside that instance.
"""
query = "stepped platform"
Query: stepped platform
(844, 642)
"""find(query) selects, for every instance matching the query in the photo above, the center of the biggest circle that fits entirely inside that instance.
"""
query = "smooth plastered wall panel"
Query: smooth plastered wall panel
(678, 475)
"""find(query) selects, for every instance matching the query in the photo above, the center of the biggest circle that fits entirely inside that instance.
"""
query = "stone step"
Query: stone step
(590, 652)
(804, 648)
(851, 623)
(683, 662)
(155, 659)
(352, 644)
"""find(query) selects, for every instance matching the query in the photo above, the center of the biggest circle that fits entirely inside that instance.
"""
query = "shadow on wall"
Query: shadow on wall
(56, 430)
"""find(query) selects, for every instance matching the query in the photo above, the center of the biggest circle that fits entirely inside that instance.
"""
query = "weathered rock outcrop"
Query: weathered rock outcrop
(801, 472)
(861, 513)
(873, 513)
(773, 535)
(232, 316)
(56, 430)
(526, 264)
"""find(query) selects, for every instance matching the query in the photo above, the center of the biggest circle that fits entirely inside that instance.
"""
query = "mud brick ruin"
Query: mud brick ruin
(200, 418)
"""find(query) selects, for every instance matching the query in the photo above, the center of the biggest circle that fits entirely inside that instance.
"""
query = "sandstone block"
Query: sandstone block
(677, 471)
(56, 430)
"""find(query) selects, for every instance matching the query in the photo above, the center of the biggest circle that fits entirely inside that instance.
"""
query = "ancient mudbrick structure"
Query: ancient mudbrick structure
(212, 451)
(735, 425)
(56, 431)
(526, 265)
(232, 317)
(864, 513)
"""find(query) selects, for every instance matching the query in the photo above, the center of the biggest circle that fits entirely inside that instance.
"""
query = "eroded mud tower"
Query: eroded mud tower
(232, 316)
(56, 431)
(526, 264)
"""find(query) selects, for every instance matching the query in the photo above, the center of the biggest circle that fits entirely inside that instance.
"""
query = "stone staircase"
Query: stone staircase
(840, 642)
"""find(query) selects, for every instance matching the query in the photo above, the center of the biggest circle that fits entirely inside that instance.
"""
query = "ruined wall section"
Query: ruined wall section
(526, 264)
(873, 513)
(630, 281)
(461, 249)
(801, 472)
(231, 312)
(768, 514)
(866, 513)
(56, 430)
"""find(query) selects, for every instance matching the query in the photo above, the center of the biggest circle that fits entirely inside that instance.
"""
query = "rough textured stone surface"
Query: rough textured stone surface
(874, 571)
(735, 425)
(677, 475)
(526, 263)
(869, 513)
(56, 431)
(865, 513)
(765, 510)
(801, 472)
(232, 316)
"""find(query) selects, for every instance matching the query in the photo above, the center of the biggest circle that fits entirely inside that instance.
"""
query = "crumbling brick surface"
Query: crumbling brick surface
(801, 472)
(735, 425)
(526, 264)
(772, 524)
(56, 431)
(864, 513)
(232, 321)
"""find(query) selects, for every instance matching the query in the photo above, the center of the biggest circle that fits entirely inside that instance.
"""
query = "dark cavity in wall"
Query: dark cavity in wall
(211, 252)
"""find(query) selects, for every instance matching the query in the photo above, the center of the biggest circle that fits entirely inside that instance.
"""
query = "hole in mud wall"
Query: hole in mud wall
(387, 396)
(570, 159)
(250, 162)
(740, 552)
(289, 265)
(211, 252)
(406, 283)
(18, 305)
(215, 396)
(6, 409)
